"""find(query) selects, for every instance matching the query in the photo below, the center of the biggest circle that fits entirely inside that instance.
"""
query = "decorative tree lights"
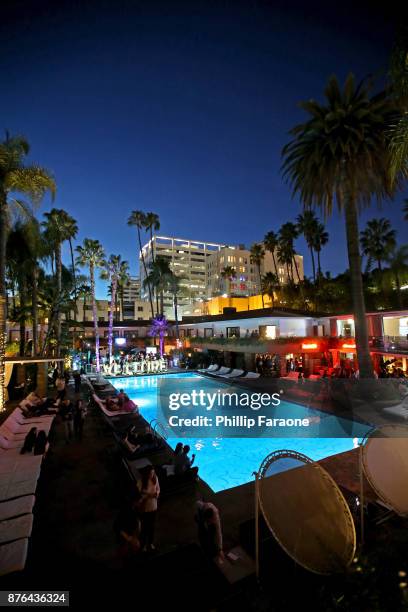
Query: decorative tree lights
(159, 328)
(2, 352)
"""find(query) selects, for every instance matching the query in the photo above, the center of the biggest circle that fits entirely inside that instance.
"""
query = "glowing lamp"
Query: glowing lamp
(120, 341)
(309, 345)
(348, 345)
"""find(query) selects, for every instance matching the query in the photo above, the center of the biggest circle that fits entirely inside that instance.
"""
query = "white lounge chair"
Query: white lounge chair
(210, 368)
(219, 372)
(252, 375)
(13, 556)
(399, 411)
(234, 374)
(110, 413)
(17, 476)
(17, 507)
(8, 444)
(13, 460)
(16, 528)
(17, 489)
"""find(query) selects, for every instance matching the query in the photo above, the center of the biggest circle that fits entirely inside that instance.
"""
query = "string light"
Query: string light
(2, 354)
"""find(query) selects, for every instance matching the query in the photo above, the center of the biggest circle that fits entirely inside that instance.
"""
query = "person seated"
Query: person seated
(41, 443)
(130, 447)
(183, 464)
(29, 441)
(129, 405)
(111, 404)
(169, 468)
(121, 397)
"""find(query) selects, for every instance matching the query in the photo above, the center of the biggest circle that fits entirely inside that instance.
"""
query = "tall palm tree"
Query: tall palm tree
(138, 219)
(92, 255)
(307, 223)
(158, 278)
(287, 236)
(377, 241)
(271, 242)
(229, 274)
(59, 226)
(398, 262)
(399, 125)
(270, 284)
(341, 154)
(123, 281)
(256, 257)
(31, 181)
(320, 239)
(175, 288)
(113, 268)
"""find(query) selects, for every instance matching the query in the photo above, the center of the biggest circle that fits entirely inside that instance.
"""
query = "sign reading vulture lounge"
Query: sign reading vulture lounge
(226, 412)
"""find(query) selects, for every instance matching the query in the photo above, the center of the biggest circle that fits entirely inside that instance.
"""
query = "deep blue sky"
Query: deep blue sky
(180, 108)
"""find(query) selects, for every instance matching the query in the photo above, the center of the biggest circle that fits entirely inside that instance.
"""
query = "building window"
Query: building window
(140, 309)
(233, 332)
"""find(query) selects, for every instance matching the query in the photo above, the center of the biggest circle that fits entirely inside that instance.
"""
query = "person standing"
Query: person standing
(67, 415)
(80, 412)
(60, 386)
(77, 381)
(209, 530)
(150, 492)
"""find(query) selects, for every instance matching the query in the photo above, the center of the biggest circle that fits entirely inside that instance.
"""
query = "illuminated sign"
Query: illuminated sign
(120, 341)
(309, 345)
(348, 345)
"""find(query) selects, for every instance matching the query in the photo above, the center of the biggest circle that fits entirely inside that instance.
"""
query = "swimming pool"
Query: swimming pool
(229, 462)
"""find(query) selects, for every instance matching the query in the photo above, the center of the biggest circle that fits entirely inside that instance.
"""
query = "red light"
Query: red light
(348, 346)
(309, 345)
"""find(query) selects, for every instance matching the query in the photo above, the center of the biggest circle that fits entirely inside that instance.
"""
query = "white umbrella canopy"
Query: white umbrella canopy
(306, 512)
(385, 464)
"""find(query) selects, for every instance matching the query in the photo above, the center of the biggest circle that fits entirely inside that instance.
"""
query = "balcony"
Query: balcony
(283, 344)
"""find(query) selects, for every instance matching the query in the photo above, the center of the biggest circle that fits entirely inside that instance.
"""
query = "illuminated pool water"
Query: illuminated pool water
(229, 462)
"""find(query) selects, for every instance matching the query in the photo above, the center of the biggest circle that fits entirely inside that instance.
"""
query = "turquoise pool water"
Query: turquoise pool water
(229, 462)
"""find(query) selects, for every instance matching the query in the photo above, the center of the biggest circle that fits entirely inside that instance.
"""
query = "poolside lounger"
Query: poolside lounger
(398, 411)
(16, 528)
(221, 371)
(234, 374)
(17, 489)
(17, 476)
(210, 368)
(7, 444)
(15, 427)
(110, 413)
(252, 375)
(12, 459)
(13, 556)
(17, 507)
(10, 435)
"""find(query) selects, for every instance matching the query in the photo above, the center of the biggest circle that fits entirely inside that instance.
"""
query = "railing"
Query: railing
(389, 343)
(243, 341)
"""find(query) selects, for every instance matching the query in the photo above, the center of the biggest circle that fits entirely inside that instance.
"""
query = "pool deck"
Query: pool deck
(81, 490)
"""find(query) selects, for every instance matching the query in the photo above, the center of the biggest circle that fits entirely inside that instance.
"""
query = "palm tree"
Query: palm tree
(257, 254)
(59, 226)
(31, 181)
(377, 241)
(270, 284)
(175, 288)
(138, 219)
(229, 274)
(123, 281)
(159, 328)
(320, 239)
(307, 223)
(398, 262)
(158, 278)
(271, 243)
(113, 268)
(341, 154)
(399, 125)
(91, 254)
(287, 236)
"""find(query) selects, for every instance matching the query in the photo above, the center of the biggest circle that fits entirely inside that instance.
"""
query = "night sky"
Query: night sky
(180, 108)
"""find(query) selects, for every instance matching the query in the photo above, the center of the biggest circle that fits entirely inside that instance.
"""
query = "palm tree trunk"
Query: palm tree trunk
(122, 307)
(313, 264)
(149, 289)
(110, 332)
(3, 294)
(260, 286)
(94, 315)
(363, 352)
(75, 291)
(23, 302)
(34, 310)
(398, 285)
(176, 316)
(161, 302)
(319, 268)
(276, 267)
(58, 268)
